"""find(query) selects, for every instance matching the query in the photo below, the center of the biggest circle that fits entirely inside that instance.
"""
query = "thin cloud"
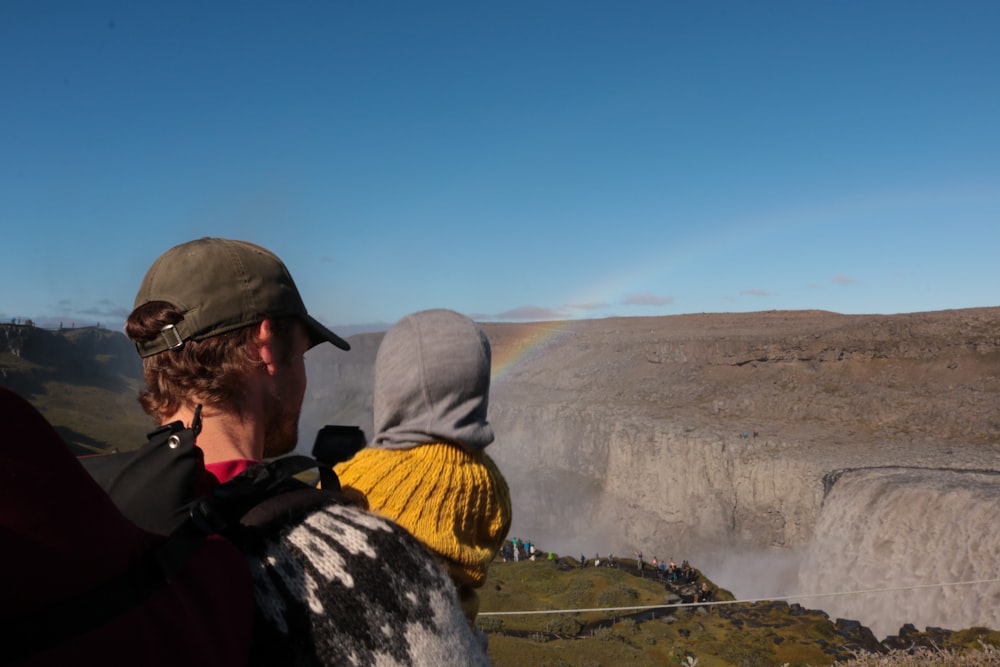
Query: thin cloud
(842, 279)
(591, 305)
(106, 308)
(70, 312)
(755, 292)
(531, 313)
(647, 299)
(345, 330)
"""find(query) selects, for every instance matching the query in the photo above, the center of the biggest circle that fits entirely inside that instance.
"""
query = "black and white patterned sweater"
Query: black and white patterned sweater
(337, 585)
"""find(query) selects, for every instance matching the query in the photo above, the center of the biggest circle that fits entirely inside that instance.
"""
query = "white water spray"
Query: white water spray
(903, 529)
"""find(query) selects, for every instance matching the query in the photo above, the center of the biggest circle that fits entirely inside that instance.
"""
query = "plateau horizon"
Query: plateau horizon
(531, 340)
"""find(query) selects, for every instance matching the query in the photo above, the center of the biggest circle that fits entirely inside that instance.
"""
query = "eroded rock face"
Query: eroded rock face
(583, 478)
(717, 430)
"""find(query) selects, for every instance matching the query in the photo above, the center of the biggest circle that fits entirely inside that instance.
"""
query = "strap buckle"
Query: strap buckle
(172, 337)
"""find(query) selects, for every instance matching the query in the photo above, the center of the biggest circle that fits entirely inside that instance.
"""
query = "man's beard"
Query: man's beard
(281, 428)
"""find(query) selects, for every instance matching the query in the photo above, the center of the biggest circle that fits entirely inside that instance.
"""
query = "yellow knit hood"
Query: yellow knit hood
(456, 503)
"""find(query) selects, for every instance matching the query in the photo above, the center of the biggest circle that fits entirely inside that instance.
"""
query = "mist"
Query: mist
(755, 574)
(916, 535)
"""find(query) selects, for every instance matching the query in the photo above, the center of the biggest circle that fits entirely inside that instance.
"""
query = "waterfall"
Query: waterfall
(909, 530)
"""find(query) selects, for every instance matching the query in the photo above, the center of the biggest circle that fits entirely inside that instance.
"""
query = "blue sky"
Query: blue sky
(516, 160)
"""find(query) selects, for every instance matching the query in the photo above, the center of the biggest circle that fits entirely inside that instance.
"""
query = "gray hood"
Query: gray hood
(432, 383)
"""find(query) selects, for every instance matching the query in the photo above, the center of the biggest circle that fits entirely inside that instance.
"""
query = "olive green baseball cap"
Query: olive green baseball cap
(221, 285)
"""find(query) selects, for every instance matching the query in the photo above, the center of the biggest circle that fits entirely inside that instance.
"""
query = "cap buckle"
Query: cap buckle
(172, 337)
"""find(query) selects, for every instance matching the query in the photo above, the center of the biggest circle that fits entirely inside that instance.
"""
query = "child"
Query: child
(426, 468)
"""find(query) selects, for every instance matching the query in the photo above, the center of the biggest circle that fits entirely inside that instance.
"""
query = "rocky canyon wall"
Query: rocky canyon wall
(586, 479)
(690, 435)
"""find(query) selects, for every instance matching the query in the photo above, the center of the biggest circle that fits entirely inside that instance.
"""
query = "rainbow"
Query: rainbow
(537, 337)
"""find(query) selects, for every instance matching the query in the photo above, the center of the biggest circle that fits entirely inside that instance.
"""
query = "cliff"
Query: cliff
(717, 428)
(718, 436)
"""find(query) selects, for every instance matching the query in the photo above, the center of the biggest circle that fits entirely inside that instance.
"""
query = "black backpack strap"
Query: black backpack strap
(328, 479)
(221, 511)
(228, 502)
(155, 485)
(334, 444)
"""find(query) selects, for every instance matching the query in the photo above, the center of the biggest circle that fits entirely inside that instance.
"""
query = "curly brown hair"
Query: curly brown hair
(212, 372)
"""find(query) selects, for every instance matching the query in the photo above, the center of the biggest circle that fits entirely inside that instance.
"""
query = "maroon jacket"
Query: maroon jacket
(61, 537)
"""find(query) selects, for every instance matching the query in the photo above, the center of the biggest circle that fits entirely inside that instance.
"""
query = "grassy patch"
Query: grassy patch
(91, 419)
(726, 635)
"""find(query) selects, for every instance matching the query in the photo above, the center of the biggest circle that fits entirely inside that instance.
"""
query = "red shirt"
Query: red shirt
(223, 471)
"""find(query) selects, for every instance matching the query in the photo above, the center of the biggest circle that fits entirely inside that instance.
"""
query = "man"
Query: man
(220, 324)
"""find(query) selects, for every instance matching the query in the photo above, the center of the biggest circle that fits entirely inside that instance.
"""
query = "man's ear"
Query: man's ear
(265, 340)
